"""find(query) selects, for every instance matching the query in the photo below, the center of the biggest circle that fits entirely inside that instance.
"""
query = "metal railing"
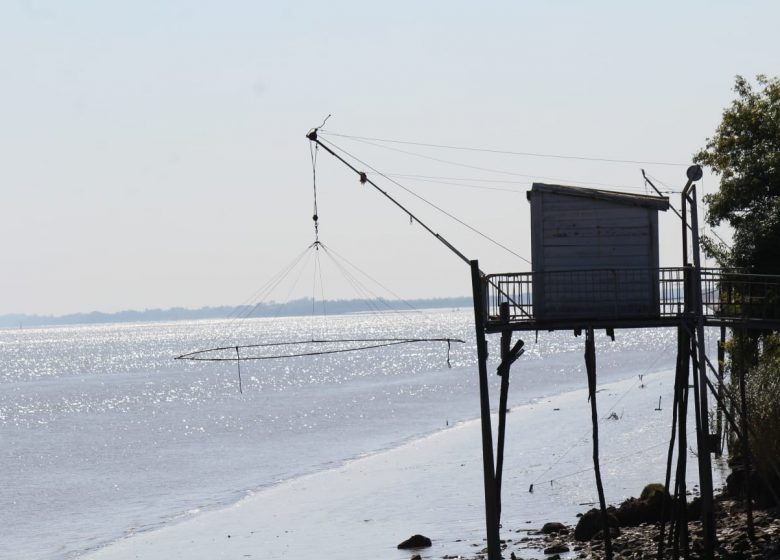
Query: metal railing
(630, 294)
(730, 293)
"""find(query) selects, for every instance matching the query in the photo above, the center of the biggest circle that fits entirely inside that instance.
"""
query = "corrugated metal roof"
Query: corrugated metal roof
(630, 199)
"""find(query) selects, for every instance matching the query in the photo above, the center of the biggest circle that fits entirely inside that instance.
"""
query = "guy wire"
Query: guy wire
(479, 168)
(475, 230)
(247, 308)
(504, 152)
(609, 462)
(329, 250)
(611, 409)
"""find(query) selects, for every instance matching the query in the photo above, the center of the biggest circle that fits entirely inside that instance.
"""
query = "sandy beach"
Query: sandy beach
(432, 486)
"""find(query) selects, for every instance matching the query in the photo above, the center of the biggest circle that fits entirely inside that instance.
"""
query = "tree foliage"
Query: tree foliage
(762, 389)
(745, 153)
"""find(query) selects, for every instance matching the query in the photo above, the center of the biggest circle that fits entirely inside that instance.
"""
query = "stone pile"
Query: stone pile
(557, 541)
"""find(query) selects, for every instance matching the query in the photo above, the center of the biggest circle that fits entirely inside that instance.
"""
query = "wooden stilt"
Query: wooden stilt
(665, 510)
(491, 501)
(506, 339)
(590, 366)
(746, 453)
(701, 445)
(681, 522)
(719, 427)
(705, 465)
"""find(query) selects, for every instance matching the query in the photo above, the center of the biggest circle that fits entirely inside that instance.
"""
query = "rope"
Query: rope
(461, 222)
(612, 461)
(506, 152)
(444, 181)
(247, 308)
(488, 169)
(286, 300)
(371, 299)
(313, 152)
(611, 409)
(368, 297)
(318, 274)
(436, 179)
(329, 250)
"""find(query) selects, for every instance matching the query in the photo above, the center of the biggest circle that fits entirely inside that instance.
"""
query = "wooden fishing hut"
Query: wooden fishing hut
(595, 264)
(594, 253)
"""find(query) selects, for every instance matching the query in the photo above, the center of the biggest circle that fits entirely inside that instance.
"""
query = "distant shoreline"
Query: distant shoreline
(298, 307)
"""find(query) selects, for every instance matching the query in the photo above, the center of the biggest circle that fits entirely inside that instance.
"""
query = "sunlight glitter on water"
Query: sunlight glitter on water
(104, 431)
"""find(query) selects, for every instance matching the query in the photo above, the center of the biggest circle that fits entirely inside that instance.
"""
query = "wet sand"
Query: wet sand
(433, 486)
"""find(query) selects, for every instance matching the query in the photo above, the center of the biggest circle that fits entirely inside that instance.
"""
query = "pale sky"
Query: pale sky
(152, 154)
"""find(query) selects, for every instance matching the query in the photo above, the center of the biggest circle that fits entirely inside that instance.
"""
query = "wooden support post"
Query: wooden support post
(667, 505)
(747, 463)
(491, 502)
(719, 427)
(705, 464)
(590, 366)
(680, 534)
(700, 443)
(506, 339)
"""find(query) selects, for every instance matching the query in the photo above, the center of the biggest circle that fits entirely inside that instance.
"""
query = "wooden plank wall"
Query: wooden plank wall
(588, 233)
(577, 233)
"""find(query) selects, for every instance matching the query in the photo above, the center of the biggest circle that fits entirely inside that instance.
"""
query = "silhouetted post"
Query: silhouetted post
(491, 502)
(719, 428)
(700, 444)
(590, 366)
(746, 454)
(680, 533)
(705, 466)
(506, 339)
(668, 504)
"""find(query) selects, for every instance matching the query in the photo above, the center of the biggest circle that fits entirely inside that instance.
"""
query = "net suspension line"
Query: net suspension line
(312, 136)
(313, 150)
(218, 354)
(503, 152)
(315, 217)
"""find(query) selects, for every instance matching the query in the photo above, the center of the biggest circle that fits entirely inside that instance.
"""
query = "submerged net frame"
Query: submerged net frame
(344, 266)
(365, 344)
(313, 346)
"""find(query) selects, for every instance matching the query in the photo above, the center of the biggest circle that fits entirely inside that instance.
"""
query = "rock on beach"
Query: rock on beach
(415, 541)
(553, 528)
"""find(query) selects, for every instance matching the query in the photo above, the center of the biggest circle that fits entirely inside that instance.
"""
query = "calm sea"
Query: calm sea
(104, 434)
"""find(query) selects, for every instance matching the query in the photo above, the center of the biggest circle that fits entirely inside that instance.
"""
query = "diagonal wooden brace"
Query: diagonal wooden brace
(516, 351)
